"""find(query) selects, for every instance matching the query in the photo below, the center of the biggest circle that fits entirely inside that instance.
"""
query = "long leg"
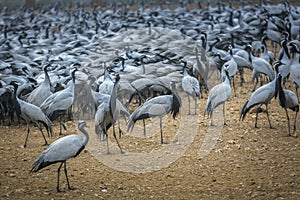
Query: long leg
(195, 99)
(66, 173)
(189, 104)
(257, 110)
(233, 85)
(61, 125)
(295, 123)
(268, 116)
(46, 143)
(161, 134)
(256, 81)
(288, 118)
(58, 172)
(144, 127)
(105, 136)
(119, 126)
(114, 133)
(28, 131)
(225, 124)
(211, 118)
(241, 71)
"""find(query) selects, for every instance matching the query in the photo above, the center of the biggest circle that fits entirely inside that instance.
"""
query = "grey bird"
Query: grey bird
(32, 113)
(42, 92)
(107, 113)
(287, 99)
(157, 107)
(262, 95)
(218, 95)
(61, 150)
(58, 103)
(260, 66)
(190, 86)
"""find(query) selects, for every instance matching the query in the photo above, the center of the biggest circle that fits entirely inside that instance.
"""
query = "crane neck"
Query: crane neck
(86, 136)
(279, 91)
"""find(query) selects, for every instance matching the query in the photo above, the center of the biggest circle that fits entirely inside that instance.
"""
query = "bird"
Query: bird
(287, 99)
(106, 86)
(232, 68)
(32, 113)
(43, 91)
(295, 67)
(157, 107)
(260, 66)
(61, 150)
(190, 86)
(262, 95)
(218, 95)
(107, 113)
(59, 102)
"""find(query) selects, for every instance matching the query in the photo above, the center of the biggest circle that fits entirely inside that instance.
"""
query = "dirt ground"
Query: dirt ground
(245, 163)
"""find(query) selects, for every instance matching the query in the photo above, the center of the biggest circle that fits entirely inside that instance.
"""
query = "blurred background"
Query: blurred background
(102, 4)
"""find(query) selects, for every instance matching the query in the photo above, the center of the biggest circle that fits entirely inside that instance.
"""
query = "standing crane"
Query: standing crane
(58, 103)
(287, 99)
(295, 66)
(190, 86)
(107, 113)
(32, 113)
(61, 150)
(157, 107)
(42, 92)
(260, 66)
(107, 85)
(262, 95)
(218, 95)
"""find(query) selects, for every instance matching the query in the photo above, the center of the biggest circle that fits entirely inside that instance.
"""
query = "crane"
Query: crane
(107, 113)
(61, 150)
(32, 113)
(157, 107)
(58, 103)
(190, 86)
(262, 95)
(287, 99)
(218, 95)
(42, 92)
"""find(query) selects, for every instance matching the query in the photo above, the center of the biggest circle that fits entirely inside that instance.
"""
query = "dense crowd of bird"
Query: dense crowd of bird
(58, 64)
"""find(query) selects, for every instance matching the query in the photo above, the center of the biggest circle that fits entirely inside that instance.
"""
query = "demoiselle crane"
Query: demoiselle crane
(190, 86)
(218, 95)
(61, 150)
(157, 107)
(262, 95)
(32, 113)
(287, 99)
(58, 103)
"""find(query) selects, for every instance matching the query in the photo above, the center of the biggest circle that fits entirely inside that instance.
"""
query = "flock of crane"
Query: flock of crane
(56, 65)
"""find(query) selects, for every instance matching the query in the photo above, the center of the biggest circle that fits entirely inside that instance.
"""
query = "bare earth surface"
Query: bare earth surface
(245, 163)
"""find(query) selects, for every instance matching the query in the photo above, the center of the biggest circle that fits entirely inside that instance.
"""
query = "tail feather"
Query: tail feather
(246, 109)
(39, 164)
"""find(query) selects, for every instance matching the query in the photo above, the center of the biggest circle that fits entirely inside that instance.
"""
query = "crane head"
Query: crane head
(82, 124)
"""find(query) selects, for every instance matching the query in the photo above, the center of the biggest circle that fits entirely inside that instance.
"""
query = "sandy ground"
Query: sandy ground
(245, 162)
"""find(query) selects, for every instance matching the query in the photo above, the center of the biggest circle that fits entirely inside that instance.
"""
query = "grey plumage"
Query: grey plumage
(58, 103)
(157, 107)
(218, 95)
(260, 66)
(32, 113)
(61, 150)
(287, 99)
(190, 86)
(262, 95)
(107, 113)
(42, 92)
